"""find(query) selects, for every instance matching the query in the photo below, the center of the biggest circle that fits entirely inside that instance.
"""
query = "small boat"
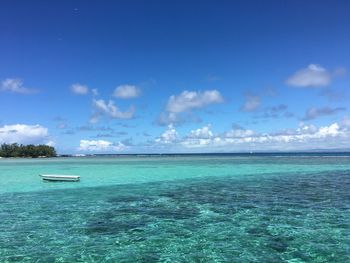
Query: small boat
(60, 177)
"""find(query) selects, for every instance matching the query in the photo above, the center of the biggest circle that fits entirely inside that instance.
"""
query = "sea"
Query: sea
(275, 207)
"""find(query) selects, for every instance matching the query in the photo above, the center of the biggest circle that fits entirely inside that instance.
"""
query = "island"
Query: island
(26, 151)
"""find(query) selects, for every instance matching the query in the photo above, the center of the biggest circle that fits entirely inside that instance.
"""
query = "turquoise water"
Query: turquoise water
(261, 208)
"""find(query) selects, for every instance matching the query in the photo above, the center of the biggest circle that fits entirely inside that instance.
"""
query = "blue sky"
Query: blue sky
(175, 76)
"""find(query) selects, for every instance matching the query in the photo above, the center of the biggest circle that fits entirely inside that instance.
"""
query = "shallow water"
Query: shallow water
(177, 209)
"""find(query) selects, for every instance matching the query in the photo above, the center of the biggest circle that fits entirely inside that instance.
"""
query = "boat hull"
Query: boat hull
(60, 178)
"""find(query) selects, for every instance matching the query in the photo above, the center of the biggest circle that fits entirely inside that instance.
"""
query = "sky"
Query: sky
(175, 76)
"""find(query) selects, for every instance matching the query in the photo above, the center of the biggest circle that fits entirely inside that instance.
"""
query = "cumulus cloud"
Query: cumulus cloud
(168, 136)
(51, 143)
(24, 134)
(170, 117)
(15, 86)
(311, 76)
(198, 138)
(239, 133)
(305, 137)
(79, 89)
(110, 110)
(179, 107)
(127, 92)
(189, 100)
(313, 113)
(201, 133)
(304, 129)
(204, 137)
(100, 146)
(252, 103)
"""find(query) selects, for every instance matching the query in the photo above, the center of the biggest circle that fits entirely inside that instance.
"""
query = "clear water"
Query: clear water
(262, 208)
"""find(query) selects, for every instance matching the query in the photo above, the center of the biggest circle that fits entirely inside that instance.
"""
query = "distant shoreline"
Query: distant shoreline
(29, 157)
(242, 154)
(323, 153)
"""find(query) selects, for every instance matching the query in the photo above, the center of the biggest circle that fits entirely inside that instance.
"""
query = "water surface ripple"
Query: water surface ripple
(269, 217)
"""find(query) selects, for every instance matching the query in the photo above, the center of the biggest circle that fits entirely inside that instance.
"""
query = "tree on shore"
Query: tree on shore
(30, 150)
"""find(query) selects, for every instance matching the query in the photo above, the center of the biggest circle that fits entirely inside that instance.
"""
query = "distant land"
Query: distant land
(310, 153)
(26, 151)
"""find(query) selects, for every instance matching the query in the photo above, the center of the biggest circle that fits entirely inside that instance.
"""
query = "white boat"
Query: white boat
(60, 177)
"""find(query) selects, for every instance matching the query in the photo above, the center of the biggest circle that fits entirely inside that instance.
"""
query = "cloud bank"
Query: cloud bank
(305, 137)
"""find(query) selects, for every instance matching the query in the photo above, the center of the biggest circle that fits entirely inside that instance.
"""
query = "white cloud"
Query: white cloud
(168, 136)
(100, 146)
(15, 86)
(79, 89)
(198, 138)
(306, 129)
(252, 103)
(50, 143)
(170, 117)
(24, 134)
(306, 137)
(110, 110)
(189, 100)
(179, 107)
(312, 76)
(201, 133)
(239, 133)
(332, 130)
(127, 92)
